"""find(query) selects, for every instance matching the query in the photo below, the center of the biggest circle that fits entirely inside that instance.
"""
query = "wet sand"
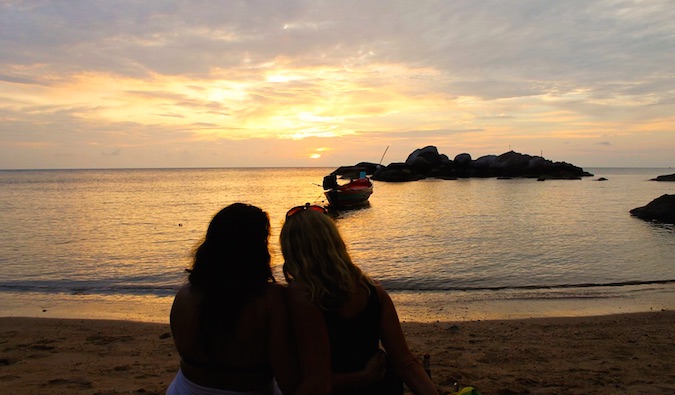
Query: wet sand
(615, 354)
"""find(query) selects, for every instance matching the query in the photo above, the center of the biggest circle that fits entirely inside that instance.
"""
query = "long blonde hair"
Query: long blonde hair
(316, 256)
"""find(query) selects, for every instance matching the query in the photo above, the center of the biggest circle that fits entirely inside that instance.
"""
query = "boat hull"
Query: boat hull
(355, 193)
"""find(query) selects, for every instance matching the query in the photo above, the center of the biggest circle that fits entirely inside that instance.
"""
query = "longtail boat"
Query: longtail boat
(354, 193)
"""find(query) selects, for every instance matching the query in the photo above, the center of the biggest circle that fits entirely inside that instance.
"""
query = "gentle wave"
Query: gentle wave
(401, 286)
(98, 288)
(88, 288)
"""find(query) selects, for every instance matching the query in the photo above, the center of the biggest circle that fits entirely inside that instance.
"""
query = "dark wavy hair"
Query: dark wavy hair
(232, 264)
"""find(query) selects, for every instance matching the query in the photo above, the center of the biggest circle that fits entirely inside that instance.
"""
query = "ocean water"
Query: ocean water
(115, 243)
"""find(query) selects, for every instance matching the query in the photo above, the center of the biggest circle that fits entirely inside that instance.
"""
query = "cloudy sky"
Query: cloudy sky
(107, 84)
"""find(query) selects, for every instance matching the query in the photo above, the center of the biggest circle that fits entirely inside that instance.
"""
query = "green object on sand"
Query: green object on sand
(466, 391)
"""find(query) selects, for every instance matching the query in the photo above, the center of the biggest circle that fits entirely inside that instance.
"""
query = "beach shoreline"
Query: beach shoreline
(622, 353)
(412, 306)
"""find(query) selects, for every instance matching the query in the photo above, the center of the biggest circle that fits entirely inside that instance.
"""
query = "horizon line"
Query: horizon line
(262, 167)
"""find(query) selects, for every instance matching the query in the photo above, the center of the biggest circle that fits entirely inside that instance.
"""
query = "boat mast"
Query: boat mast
(385, 153)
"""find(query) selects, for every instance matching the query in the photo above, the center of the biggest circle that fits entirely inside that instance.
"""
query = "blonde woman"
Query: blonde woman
(341, 316)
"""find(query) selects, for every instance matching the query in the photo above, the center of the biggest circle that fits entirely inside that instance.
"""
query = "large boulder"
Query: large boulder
(485, 161)
(513, 160)
(463, 159)
(661, 209)
(484, 166)
(396, 172)
(429, 154)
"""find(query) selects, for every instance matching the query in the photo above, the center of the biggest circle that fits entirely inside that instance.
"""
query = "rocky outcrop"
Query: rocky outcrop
(661, 209)
(669, 177)
(428, 162)
(396, 172)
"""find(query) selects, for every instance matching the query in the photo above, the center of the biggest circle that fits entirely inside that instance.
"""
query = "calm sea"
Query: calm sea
(115, 243)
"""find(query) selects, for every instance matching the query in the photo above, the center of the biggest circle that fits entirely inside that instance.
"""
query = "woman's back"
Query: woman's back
(353, 330)
(247, 350)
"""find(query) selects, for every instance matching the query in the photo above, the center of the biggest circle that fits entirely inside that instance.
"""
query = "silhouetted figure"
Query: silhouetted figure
(230, 321)
(340, 315)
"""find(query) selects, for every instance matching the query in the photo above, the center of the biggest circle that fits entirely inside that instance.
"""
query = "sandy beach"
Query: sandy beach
(616, 354)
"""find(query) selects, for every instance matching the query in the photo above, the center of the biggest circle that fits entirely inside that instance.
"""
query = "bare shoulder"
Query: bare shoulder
(379, 288)
(184, 290)
(186, 295)
(185, 308)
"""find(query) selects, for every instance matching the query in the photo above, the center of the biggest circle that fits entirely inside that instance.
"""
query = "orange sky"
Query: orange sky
(287, 84)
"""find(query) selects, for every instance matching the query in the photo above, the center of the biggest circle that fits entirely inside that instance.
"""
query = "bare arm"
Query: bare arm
(407, 366)
(373, 371)
(184, 320)
(311, 337)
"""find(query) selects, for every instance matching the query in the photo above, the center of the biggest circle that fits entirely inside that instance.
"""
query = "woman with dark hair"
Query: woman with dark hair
(341, 316)
(229, 322)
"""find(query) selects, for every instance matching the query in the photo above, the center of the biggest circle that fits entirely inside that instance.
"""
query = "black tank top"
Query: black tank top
(354, 341)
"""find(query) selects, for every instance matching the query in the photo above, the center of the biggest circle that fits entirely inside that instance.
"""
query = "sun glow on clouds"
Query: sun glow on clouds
(318, 153)
(282, 78)
(275, 99)
(285, 103)
(299, 104)
(288, 103)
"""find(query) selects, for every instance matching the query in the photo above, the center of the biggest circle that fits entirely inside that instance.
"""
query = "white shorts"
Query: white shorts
(182, 386)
